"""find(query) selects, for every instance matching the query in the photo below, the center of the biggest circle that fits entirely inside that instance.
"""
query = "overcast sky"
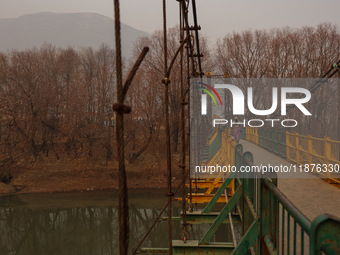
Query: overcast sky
(216, 17)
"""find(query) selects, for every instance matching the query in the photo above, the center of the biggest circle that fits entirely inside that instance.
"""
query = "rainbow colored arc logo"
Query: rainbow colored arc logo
(209, 93)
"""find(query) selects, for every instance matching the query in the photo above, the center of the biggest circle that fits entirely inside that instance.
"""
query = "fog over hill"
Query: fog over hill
(63, 30)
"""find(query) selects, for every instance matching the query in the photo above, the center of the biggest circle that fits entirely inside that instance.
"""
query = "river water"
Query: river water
(84, 223)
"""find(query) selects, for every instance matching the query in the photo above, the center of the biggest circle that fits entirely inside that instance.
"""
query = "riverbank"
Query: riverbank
(81, 175)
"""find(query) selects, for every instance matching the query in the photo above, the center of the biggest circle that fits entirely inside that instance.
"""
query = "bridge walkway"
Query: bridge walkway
(311, 195)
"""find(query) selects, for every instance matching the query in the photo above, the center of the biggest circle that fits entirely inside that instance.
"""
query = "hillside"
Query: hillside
(63, 30)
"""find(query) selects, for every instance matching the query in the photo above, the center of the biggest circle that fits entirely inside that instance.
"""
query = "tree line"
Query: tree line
(57, 103)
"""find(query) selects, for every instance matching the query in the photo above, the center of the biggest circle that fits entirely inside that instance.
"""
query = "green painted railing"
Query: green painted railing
(273, 141)
(274, 225)
(213, 146)
(271, 224)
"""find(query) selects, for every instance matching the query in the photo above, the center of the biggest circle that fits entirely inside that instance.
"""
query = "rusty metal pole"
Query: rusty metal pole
(123, 193)
(188, 134)
(188, 49)
(166, 82)
(338, 68)
(184, 232)
(182, 123)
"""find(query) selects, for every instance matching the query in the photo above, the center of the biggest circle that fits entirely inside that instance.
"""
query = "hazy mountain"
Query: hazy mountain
(62, 30)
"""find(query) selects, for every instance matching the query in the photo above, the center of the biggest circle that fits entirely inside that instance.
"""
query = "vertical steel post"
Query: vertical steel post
(247, 189)
(268, 213)
(297, 147)
(310, 149)
(287, 145)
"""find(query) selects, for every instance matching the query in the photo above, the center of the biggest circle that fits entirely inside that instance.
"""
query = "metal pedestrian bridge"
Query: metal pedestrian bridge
(264, 214)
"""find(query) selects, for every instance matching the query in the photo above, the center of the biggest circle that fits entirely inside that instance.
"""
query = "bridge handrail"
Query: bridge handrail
(266, 197)
(265, 211)
(311, 137)
(297, 148)
(303, 221)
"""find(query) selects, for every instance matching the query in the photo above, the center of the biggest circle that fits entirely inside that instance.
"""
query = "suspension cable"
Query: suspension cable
(123, 193)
